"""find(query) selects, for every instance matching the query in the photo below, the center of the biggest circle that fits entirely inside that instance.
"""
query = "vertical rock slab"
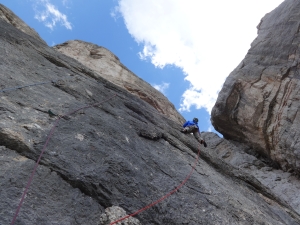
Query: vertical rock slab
(259, 102)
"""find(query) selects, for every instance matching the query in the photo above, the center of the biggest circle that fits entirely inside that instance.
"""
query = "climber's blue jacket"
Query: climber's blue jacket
(190, 123)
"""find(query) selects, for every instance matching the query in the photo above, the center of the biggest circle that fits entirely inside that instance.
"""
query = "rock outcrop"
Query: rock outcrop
(105, 64)
(259, 102)
(7, 15)
(111, 151)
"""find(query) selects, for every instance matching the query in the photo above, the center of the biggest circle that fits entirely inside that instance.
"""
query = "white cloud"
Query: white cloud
(210, 128)
(115, 13)
(161, 87)
(47, 13)
(65, 2)
(206, 39)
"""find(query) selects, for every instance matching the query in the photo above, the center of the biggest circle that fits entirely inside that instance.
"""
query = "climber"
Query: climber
(192, 127)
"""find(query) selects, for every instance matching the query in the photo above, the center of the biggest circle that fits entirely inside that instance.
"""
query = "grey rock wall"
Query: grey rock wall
(283, 186)
(259, 102)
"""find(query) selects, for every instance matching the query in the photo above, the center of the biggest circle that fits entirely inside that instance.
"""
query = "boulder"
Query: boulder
(259, 102)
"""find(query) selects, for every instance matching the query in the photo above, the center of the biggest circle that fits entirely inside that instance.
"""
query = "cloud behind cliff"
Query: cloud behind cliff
(48, 13)
(206, 39)
(161, 87)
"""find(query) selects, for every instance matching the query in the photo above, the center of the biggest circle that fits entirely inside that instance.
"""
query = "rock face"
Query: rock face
(259, 102)
(7, 15)
(280, 186)
(105, 64)
(107, 150)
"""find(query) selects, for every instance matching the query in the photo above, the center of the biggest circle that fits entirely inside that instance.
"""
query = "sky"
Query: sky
(183, 48)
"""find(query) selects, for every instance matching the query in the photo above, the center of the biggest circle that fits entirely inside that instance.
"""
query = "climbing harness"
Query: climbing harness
(44, 148)
(164, 197)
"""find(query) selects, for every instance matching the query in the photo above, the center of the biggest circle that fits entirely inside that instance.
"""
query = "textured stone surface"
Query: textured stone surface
(284, 186)
(118, 153)
(104, 63)
(50, 199)
(115, 213)
(259, 102)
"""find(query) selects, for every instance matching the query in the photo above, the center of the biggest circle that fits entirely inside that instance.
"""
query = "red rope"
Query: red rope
(44, 148)
(162, 198)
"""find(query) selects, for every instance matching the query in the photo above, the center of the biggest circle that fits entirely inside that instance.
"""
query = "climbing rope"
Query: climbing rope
(44, 148)
(164, 197)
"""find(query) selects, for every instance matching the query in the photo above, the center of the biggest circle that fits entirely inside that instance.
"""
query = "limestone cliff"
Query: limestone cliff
(259, 102)
(108, 153)
(104, 63)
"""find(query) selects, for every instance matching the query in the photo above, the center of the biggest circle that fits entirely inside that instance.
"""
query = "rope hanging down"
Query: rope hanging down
(44, 148)
(164, 197)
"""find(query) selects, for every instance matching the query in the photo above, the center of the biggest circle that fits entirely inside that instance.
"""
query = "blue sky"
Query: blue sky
(186, 48)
